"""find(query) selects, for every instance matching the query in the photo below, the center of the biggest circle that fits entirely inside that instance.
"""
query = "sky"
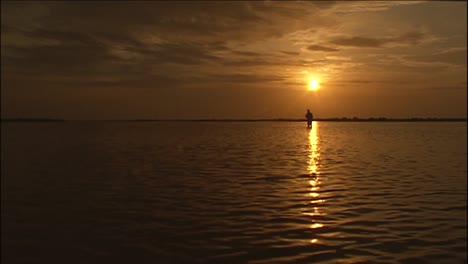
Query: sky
(233, 59)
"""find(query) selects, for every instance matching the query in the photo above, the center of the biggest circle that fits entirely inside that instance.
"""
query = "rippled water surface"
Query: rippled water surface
(252, 192)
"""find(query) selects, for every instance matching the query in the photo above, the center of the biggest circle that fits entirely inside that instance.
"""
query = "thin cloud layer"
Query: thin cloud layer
(410, 38)
(321, 48)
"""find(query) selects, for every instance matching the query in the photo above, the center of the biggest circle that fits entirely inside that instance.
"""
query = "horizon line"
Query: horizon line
(343, 119)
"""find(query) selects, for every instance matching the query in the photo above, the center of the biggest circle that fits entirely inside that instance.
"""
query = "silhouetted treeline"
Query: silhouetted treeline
(32, 120)
(385, 119)
(334, 119)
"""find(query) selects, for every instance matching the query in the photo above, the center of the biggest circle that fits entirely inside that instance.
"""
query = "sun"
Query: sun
(314, 84)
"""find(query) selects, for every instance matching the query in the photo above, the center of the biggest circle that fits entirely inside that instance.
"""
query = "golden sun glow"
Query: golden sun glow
(314, 84)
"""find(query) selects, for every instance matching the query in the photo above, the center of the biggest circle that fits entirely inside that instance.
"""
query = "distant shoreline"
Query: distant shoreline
(380, 119)
(31, 120)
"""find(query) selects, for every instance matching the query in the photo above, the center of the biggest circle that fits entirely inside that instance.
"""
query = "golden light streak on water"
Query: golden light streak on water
(313, 171)
(314, 154)
(316, 225)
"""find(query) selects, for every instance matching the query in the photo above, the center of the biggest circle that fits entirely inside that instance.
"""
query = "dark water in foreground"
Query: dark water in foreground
(266, 192)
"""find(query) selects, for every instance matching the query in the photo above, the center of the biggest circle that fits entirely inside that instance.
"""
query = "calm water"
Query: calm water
(262, 192)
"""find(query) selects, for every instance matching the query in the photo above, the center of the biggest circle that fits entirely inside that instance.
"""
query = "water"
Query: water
(260, 192)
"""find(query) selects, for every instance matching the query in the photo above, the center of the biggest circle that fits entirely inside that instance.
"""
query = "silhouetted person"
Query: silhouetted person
(309, 117)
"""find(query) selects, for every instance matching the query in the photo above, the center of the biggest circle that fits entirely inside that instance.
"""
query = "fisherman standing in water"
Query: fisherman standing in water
(309, 117)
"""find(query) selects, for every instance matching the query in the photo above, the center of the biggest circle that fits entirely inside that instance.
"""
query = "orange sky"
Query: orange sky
(125, 60)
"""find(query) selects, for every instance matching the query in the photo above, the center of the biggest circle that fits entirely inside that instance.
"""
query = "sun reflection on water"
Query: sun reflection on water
(314, 173)
(314, 154)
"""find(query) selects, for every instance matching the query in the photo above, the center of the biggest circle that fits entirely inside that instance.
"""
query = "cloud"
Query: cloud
(358, 42)
(246, 53)
(239, 78)
(368, 81)
(179, 53)
(61, 59)
(407, 39)
(248, 62)
(291, 53)
(192, 19)
(445, 87)
(453, 56)
(321, 48)
(23, 16)
(369, 6)
(146, 34)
